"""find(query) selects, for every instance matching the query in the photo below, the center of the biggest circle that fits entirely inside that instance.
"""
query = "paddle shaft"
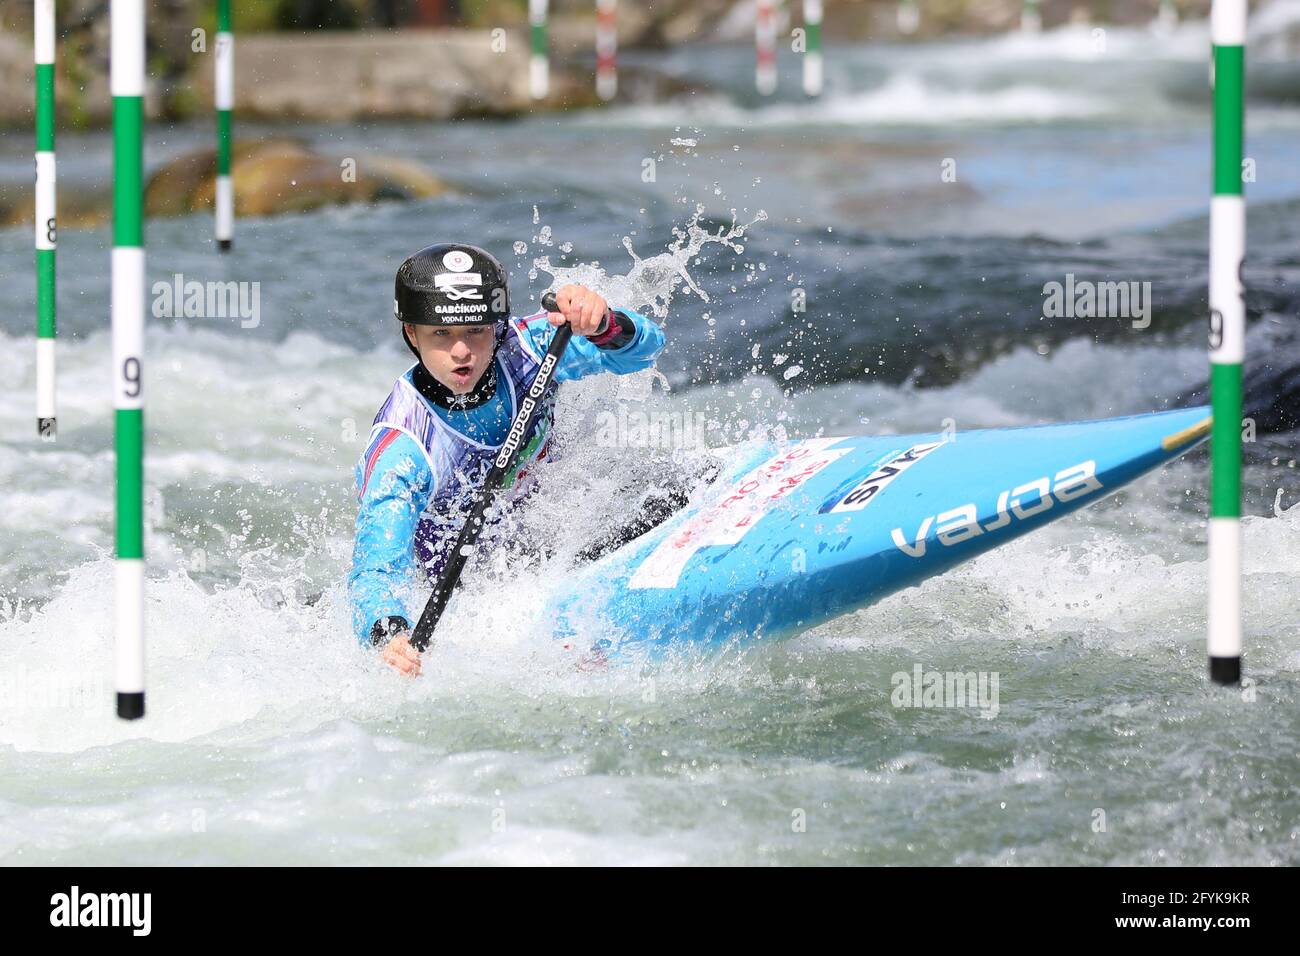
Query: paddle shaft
(529, 411)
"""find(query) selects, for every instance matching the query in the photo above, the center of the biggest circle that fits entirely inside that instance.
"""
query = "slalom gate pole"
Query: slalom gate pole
(1227, 339)
(46, 227)
(127, 83)
(224, 90)
(765, 47)
(1031, 17)
(606, 48)
(908, 16)
(538, 64)
(812, 57)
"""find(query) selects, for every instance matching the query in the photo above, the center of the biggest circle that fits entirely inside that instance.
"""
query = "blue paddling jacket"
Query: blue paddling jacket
(418, 472)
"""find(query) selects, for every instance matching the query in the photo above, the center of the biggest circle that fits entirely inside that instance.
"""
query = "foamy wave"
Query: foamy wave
(906, 99)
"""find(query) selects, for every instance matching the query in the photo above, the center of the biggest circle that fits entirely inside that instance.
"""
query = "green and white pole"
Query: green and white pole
(1031, 17)
(909, 16)
(46, 230)
(606, 49)
(1227, 339)
(127, 82)
(1166, 16)
(539, 73)
(224, 88)
(812, 54)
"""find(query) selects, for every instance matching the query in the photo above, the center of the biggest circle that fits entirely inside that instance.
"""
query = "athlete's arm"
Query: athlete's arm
(605, 340)
(395, 485)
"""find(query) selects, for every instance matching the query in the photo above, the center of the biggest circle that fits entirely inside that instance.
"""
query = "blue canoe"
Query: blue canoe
(792, 535)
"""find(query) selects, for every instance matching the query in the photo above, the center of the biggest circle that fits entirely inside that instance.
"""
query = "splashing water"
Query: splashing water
(651, 283)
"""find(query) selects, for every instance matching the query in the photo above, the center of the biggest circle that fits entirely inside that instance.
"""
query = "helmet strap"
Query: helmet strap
(411, 345)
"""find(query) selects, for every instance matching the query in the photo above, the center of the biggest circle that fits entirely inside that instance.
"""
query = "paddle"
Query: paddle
(529, 410)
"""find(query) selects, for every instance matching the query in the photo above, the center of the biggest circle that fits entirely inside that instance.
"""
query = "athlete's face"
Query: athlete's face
(457, 357)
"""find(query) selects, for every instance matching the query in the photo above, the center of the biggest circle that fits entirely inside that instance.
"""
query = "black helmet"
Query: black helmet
(451, 283)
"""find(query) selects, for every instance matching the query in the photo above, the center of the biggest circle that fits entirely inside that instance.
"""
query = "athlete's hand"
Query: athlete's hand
(583, 309)
(401, 656)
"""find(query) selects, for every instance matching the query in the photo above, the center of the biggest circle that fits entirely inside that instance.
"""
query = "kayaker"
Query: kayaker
(433, 439)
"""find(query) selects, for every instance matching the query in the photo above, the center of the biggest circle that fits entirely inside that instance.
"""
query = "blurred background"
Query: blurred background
(278, 30)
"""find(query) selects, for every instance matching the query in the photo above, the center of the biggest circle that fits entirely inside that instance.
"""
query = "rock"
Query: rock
(171, 190)
(284, 175)
(78, 209)
(413, 74)
(15, 79)
(417, 74)
(270, 176)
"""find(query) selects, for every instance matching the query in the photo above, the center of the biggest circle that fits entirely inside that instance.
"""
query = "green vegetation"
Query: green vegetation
(260, 16)
(266, 16)
(490, 13)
